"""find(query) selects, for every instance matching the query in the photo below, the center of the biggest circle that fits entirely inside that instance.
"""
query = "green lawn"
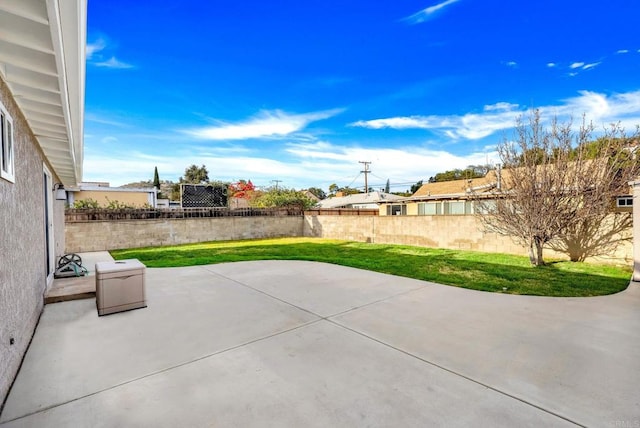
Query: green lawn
(479, 271)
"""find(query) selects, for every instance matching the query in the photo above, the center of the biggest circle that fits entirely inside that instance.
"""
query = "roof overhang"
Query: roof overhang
(42, 60)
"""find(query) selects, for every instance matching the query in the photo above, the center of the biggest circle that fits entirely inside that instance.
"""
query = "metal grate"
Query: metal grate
(203, 196)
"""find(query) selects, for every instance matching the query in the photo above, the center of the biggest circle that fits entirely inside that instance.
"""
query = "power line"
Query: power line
(352, 181)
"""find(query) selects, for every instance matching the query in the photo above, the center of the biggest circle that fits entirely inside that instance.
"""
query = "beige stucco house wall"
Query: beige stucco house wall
(23, 275)
(42, 102)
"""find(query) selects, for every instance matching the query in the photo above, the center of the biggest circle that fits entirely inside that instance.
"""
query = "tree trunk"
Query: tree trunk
(535, 252)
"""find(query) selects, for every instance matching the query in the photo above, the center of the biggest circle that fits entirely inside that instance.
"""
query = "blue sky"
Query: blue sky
(301, 91)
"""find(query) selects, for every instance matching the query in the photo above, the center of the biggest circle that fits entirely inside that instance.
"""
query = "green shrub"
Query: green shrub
(117, 205)
(85, 203)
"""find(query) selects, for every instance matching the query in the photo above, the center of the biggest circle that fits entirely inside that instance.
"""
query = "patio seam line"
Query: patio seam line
(166, 369)
(326, 317)
(455, 373)
(204, 267)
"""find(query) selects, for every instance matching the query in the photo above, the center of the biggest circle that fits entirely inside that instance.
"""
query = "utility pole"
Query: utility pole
(365, 172)
(276, 181)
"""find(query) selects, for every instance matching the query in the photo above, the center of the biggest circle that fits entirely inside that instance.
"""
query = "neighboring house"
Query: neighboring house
(371, 200)
(456, 197)
(42, 77)
(105, 195)
(445, 197)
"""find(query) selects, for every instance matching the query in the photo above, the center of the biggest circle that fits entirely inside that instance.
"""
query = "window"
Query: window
(430, 208)
(396, 210)
(624, 202)
(468, 207)
(6, 145)
(456, 207)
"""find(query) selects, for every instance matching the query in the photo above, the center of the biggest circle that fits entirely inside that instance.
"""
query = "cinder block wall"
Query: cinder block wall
(111, 235)
(452, 232)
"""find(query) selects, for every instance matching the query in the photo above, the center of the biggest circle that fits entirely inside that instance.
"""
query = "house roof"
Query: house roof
(42, 60)
(311, 196)
(457, 187)
(460, 189)
(98, 187)
(358, 199)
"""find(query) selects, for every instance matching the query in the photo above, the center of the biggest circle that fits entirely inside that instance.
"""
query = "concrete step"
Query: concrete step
(63, 289)
(81, 287)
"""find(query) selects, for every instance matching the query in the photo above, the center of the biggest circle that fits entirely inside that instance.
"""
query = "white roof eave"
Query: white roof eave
(42, 60)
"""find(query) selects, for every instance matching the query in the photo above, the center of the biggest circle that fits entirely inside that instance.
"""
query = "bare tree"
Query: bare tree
(557, 186)
(598, 230)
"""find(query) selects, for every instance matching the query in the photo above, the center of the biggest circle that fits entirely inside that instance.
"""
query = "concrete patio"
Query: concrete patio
(284, 343)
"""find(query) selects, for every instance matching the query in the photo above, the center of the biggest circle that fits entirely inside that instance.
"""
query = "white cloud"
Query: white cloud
(470, 126)
(322, 150)
(113, 62)
(602, 109)
(591, 65)
(404, 163)
(94, 47)
(622, 51)
(428, 13)
(500, 106)
(575, 66)
(512, 64)
(108, 140)
(274, 123)
(97, 118)
(135, 166)
(395, 123)
(100, 54)
(317, 150)
(299, 165)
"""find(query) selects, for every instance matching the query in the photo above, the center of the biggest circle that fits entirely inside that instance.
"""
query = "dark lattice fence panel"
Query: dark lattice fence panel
(203, 196)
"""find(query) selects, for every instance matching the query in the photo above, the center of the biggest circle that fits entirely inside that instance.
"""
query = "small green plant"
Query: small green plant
(86, 204)
(282, 197)
(117, 205)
